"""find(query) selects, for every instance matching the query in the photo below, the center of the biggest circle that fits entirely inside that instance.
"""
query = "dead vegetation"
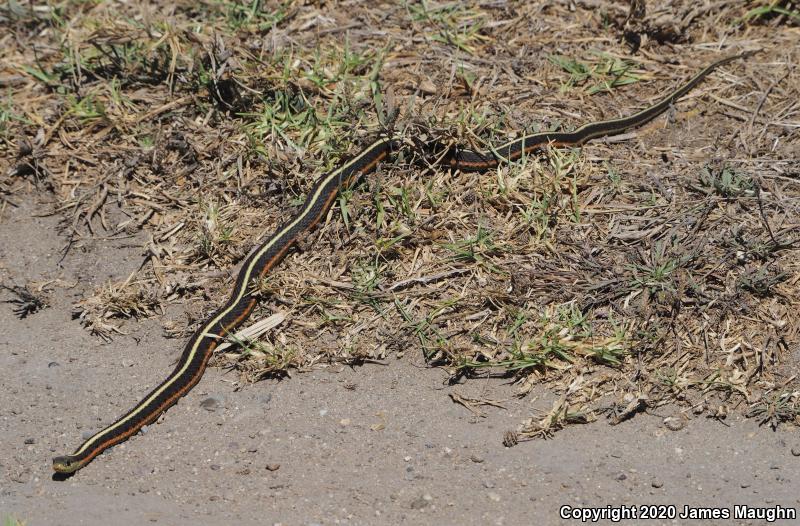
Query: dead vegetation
(658, 267)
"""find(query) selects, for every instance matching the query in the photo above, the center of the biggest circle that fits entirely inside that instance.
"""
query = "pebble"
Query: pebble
(86, 435)
(423, 501)
(476, 459)
(211, 403)
(30, 440)
(622, 476)
(215, 467)
(657, 484)
(426, 86)
(53, 364)
(494, 497)
(273, 467)
(796, 451)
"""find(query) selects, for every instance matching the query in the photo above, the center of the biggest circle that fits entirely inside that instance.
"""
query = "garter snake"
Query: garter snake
(235, 311)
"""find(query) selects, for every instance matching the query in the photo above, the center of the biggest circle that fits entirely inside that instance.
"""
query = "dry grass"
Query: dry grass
(657, 268)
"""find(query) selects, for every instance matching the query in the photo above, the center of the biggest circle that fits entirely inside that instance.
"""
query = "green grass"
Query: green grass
(614, 177)
(10, 520)
(762, 281)
(776, 407)
(477, 250)
(267, 358)
(367, 275)
(399, 197)
(564, 335)
(727, 182)
(456, 25)
(293, 113)
(607, 74)
(765, 11)
(9, 116)
(251, 15)
(430, 338)
(87, 109)
(42, 76)
(215, 233)
(656, 274)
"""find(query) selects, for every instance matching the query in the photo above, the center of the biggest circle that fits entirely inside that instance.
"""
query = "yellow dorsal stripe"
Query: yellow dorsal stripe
(239, 294)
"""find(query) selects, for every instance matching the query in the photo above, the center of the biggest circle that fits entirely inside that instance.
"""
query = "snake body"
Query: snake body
(240, 305)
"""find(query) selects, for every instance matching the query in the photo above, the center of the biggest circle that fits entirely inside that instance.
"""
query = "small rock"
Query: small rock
(796, 451)
(423, 501)
(86, 435)
(476, 459)
(273, 467)
(622, 476)
(657, 484)
(53, 364)
(494, 497)
(215, 467)
(344, 422)
(211, 403)
(30, 440)
(427, 87)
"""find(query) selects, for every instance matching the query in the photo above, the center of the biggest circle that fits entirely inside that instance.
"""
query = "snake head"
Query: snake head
(66, 464)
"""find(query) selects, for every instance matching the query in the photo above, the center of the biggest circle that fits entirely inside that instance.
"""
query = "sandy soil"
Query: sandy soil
(379, 444)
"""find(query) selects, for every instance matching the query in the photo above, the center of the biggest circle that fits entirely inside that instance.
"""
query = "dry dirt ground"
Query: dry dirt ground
(377, 444)
(607, 326)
